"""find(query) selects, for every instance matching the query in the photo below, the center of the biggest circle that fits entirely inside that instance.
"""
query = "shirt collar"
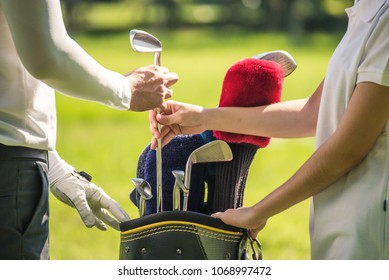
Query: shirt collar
(367, 9)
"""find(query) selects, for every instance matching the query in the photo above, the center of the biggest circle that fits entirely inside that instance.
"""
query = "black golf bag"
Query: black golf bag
(192, 234)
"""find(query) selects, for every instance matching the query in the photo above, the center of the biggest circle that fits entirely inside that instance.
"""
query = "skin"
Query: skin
(362, 123)
(150, 86)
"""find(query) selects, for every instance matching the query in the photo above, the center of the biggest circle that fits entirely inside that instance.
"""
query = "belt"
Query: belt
(19, 152)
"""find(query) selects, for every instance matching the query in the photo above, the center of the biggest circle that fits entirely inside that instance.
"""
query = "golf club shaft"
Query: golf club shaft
(142, 209)
(159, 172)
(176, 197)
(157, 61)
(188, 174)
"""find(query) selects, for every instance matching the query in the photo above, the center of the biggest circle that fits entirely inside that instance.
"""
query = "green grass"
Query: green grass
(106, 143)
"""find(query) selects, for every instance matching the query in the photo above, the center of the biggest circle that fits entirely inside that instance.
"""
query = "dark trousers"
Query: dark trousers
(24, 211)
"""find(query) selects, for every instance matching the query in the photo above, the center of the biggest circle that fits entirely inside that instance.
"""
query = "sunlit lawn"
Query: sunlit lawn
(106, 143)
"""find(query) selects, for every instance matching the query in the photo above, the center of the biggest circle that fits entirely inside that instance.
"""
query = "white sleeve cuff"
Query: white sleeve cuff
(57, 167)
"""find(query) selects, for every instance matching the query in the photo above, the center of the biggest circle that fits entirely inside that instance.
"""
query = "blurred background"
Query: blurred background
(201, 39)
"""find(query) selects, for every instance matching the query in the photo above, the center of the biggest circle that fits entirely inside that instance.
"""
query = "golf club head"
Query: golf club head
(179, 176)
(215, 151)
(132, 197)
(143, 188)
(144, 42)
(288, 64)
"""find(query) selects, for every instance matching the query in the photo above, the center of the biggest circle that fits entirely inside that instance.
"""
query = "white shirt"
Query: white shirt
(36, 57)
(348, 220)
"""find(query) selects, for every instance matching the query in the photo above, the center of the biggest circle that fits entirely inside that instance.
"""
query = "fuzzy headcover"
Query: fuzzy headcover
(248, 83)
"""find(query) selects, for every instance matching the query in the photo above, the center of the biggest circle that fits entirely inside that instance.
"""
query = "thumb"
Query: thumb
(217, 215)
(166, 119)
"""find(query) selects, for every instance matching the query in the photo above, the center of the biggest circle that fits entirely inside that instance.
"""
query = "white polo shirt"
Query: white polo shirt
(37, 56)
(349, 219)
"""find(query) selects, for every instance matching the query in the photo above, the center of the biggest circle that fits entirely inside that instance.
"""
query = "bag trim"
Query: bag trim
(190, 224)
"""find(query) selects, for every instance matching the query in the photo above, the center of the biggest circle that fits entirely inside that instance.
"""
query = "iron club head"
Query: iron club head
(178, 186)
(144, 42)
(144, 190)
(215, 151)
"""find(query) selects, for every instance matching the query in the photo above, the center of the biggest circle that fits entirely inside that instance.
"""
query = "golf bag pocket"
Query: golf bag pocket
(180, 235)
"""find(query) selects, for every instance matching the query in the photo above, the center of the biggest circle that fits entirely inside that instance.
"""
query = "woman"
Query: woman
(348, 174)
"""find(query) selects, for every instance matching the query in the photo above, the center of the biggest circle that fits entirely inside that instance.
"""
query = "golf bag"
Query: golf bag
(179, 235)
(187, 235)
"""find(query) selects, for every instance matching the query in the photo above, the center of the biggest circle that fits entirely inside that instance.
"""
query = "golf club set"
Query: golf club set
(214, 151)
(176, 229)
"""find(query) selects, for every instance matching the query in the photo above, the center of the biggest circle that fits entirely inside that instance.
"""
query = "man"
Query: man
(37, 56)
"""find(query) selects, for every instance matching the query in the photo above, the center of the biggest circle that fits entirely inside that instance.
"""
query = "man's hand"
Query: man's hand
(150, 86)
(95, 207)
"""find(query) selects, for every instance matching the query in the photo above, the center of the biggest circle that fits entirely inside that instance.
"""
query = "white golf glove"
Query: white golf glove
(95, 207)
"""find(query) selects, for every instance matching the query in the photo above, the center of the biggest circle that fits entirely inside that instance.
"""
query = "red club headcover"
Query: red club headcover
(248, 83)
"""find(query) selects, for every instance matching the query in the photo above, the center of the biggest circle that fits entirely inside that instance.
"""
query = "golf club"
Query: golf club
(144, 42)
(178, 186)
(144, 190)
(132, 197)
(283, 58)
(215, 151)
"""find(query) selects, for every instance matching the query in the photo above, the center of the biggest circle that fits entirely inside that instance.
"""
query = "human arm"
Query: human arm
(363, 122)
(94, 206)
(296, 118)
(50, 55)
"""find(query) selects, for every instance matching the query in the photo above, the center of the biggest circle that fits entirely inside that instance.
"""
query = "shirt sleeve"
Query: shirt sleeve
(52, 56)
(58, 168)
(375, 63)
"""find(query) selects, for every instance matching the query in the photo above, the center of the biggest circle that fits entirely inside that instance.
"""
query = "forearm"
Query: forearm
(282, 120)
(358, 131)
(323, 168)
(287, 119)
(50, 55)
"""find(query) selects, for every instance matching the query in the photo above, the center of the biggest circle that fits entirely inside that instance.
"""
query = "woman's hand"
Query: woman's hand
(177, 118)
(244, 217)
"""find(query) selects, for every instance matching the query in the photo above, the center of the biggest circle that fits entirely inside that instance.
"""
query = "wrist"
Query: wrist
(208, 117)
(58, 168)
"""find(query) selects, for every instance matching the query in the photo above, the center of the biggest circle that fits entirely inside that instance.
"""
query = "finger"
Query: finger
(161, 108)
(100, 225)
(167, 138)
(83, 209)
(116, 210)
(170, 131)
(106, 202)
(153, 124)
(154, 144)
(216, 215)
(171, 79)
(168, 94)
(106, 218)
(165, 119)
